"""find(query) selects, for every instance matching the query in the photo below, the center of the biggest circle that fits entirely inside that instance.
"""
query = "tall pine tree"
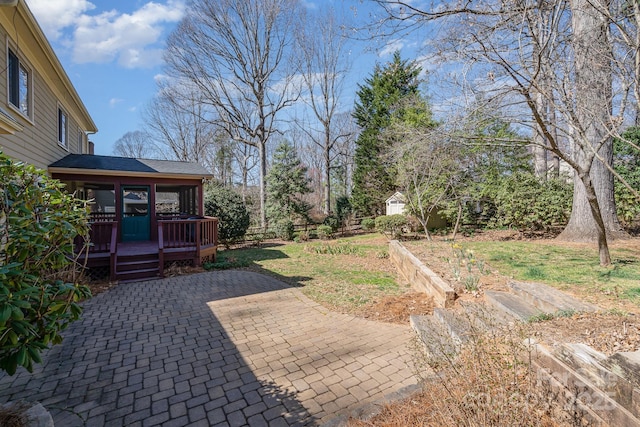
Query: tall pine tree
(378, 102)
(287, 182)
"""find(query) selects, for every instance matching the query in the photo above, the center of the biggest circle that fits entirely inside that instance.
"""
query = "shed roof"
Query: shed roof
(397, 196)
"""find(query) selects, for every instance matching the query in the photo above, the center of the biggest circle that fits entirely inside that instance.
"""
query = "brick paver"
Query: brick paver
(220, 348)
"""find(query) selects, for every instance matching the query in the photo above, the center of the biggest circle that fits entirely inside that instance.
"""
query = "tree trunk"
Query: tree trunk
(593, 215)
(262, 153)
(458, 218)
(327, 177)
(539, 152)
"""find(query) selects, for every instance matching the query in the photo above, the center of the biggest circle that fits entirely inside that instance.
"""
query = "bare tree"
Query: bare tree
(566, 65)
(428, 167)
(343, 163)
(324, 65)
(247, 158)
(136, 144)
(181, 123)
(235, 52)
(312, 157)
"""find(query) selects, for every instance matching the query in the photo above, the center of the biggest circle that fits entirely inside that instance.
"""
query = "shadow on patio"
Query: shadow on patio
(147, 353)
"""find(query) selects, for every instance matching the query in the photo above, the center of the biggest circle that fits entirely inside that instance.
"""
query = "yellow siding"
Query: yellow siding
(38, 142)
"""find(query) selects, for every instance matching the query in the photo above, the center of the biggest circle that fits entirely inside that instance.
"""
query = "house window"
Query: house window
(19, 85)
(62, 128)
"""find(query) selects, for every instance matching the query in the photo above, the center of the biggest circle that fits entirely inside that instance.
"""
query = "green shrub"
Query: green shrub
(368, 224)
(333, 222)
(391, 225)
(284, 229)
(38, 291)
(626, 161)
(324, 231)
(229, 208)
(343, 210)
(527, 203)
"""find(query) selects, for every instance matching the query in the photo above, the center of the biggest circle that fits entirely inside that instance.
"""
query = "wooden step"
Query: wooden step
(579, 389)
(484, 316)
(136, 265)
(512, 305)
(549, 299)
(627, 365)
(589, 363)
(438, 344)
(135, 275)
(457, 324)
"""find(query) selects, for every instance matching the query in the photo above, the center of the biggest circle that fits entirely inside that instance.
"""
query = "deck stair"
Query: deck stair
(606, 390)
(133, 267)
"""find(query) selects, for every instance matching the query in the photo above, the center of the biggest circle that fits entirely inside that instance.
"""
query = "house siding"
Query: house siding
(37, 143)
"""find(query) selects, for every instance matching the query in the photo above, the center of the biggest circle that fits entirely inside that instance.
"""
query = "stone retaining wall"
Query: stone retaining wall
(421, 278)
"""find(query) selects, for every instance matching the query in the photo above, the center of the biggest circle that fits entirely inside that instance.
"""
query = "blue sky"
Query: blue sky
(112, 51)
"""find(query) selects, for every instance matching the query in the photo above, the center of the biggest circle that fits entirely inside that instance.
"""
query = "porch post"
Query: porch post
(118, 196)
(200, 198)
(153, 219)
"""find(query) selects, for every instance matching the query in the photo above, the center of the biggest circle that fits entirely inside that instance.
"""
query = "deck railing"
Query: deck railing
(179, 239)
(103, 242)
(101, 217)
(188, 234)
(103, 235)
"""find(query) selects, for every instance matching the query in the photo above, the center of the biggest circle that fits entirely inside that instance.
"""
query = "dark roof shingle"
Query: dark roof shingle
(126, 164)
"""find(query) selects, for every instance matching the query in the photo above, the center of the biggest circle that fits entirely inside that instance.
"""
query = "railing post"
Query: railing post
(215, 232)
(198, 225)
(160, 249)
(113, 252)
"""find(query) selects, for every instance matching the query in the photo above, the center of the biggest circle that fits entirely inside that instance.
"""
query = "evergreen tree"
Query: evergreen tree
(378, 103)
(626, 162)
(227, 205)
(287, 182)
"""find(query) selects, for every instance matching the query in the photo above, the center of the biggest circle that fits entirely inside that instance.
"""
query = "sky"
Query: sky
(112, 52)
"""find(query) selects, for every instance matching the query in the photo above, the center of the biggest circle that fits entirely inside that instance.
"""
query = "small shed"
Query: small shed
(396, 204)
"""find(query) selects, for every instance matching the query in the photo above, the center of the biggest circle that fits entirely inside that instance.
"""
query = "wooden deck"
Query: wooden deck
(137, 248)
(189, 241)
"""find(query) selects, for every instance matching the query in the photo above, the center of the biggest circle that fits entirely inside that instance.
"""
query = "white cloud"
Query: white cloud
(392, 46)
(309, 4)
(159, 78)
(428, 63)
(130, 39)
(54, 16)
(115, 101)
(124, 37)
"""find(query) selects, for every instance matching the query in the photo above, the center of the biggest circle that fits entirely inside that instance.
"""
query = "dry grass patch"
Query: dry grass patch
(398, 309)
(489, 383)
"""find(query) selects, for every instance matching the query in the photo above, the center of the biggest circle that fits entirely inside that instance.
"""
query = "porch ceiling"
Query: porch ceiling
(89, 164)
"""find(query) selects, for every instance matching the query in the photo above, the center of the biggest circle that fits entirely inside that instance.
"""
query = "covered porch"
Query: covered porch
(146, 215)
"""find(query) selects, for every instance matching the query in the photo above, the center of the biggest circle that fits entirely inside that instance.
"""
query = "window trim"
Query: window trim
(24, 65)
(62, 113)
(80, 141)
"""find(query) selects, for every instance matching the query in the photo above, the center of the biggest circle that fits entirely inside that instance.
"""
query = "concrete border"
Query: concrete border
(421, 278)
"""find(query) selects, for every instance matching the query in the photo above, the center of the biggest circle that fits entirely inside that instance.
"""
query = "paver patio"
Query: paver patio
(214, 349)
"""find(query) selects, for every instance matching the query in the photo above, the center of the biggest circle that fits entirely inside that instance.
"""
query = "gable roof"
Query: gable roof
(90, 164)
(398, 196)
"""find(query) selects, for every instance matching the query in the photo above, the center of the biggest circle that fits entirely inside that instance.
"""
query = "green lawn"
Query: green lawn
(348, 273)
(565, 266)
(343, 273)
